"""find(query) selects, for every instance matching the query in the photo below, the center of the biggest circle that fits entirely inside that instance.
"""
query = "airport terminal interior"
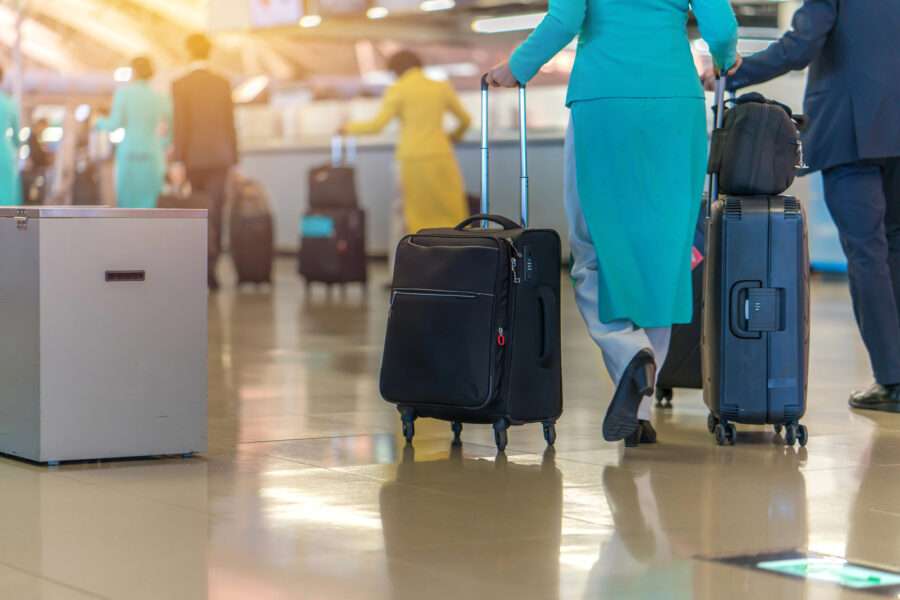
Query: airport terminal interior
(172, 433)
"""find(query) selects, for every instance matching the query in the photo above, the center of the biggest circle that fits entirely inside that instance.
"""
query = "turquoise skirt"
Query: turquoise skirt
(139, 179)
(641, 166)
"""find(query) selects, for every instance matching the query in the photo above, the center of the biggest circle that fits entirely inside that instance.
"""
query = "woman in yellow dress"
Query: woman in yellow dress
(432, 184)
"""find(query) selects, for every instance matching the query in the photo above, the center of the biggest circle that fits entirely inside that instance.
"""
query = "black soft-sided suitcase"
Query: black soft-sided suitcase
(473, 333)
(252, 243)
(756, 313)
(333, 246)
(683, 368)
(757, 149)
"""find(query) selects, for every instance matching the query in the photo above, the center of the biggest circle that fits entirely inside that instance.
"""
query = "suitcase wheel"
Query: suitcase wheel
(778, 428)
(550, 432)
(456, 428)
(500, 434)
(664, 397)
(726, 434)
(711, 422)
(794, 433)
(408, 419)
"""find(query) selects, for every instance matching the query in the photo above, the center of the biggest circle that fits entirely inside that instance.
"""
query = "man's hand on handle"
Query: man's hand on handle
(501, 76)
(709, 75)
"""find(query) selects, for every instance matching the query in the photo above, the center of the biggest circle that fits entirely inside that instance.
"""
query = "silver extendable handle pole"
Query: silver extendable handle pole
(523, 158)
(485, 153)
(717, 123)
(337, 150)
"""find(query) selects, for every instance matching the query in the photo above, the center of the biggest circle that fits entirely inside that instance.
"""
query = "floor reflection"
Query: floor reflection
(486, 502)
(665, 518)
(308, 492)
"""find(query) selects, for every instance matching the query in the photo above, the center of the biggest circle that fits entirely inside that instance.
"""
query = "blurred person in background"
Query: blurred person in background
(852, 102)
(635, 164)
(39, 159)
(145, 116)
(39, 156)
(204, 137)
(432, 193)
(10, 186)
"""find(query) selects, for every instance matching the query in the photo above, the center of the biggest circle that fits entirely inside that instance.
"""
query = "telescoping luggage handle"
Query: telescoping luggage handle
(718, 117)
(343, 151)
(485, 156)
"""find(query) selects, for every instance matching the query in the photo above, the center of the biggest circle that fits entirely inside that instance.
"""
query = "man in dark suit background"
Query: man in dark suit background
(205, 142)
(853, 105)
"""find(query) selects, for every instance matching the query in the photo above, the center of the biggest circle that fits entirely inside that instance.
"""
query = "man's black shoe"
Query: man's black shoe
(878, 397)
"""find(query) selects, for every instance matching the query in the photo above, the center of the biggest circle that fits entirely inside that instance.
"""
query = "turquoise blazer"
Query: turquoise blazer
(146, 117)
(10, 186)
(629, 48)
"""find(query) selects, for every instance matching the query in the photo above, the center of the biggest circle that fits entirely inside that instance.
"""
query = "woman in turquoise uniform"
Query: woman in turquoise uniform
(635, 166)
(10, 186)
(146, 117)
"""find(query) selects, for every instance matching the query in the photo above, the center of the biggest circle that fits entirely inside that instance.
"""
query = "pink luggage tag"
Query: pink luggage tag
(696, 257)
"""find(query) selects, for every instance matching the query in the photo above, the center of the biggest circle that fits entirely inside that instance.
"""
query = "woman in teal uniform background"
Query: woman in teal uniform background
(146, 117)
(10, 186)
(635, 166)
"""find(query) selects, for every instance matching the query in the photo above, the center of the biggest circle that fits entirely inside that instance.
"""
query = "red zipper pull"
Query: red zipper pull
(501, 339)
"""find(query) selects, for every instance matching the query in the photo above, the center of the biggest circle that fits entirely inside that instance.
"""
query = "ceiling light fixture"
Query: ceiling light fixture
(436, 5)
(377, 12)
(309, 21)
(507, 24)
(122, 74)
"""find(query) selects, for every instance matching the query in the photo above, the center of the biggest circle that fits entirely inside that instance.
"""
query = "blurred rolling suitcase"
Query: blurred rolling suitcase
(756, 312)
(250, 231)
(473, 334)
(333, 230)
(333, 185)
(683, 368)
(86, 185)
(333, 246)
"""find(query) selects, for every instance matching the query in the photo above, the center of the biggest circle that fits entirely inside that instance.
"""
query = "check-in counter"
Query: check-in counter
(283, 171)
(282, 166)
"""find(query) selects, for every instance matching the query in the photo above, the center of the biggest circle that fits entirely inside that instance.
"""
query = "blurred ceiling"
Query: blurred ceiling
(93, 37)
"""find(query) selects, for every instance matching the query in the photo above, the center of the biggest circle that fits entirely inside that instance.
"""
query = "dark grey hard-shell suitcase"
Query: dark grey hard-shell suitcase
(756, 312)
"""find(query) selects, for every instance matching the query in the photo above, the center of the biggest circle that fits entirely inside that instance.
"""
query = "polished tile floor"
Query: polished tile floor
(308, 492)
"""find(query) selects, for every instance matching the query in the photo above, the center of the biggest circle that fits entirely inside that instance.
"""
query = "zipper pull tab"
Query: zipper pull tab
(514, 265)
(501, 339)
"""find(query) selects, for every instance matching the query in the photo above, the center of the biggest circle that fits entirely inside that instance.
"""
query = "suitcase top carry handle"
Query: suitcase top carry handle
(343, 151)
(719, 115)
(501, 221)
(485, 155)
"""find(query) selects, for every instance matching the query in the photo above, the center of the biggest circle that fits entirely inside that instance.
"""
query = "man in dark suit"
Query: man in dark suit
(205, 142)
(853, 105)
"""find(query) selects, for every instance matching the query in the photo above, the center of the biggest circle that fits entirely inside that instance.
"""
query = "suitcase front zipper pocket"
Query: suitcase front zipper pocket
(442, 349)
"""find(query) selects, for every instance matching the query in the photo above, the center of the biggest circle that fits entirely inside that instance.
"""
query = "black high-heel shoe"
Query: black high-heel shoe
(644, 434)
(638, 381)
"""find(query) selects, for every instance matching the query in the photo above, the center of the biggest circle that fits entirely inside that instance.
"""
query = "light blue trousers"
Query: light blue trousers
(619, 340)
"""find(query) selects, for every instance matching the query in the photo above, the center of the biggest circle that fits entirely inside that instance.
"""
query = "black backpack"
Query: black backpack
(757, 150)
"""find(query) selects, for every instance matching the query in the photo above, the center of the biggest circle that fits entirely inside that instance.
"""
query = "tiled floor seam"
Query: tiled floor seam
(62, 584)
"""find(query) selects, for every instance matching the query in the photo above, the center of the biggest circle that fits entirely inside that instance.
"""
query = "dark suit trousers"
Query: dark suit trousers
(212, 183)
(864, 200)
